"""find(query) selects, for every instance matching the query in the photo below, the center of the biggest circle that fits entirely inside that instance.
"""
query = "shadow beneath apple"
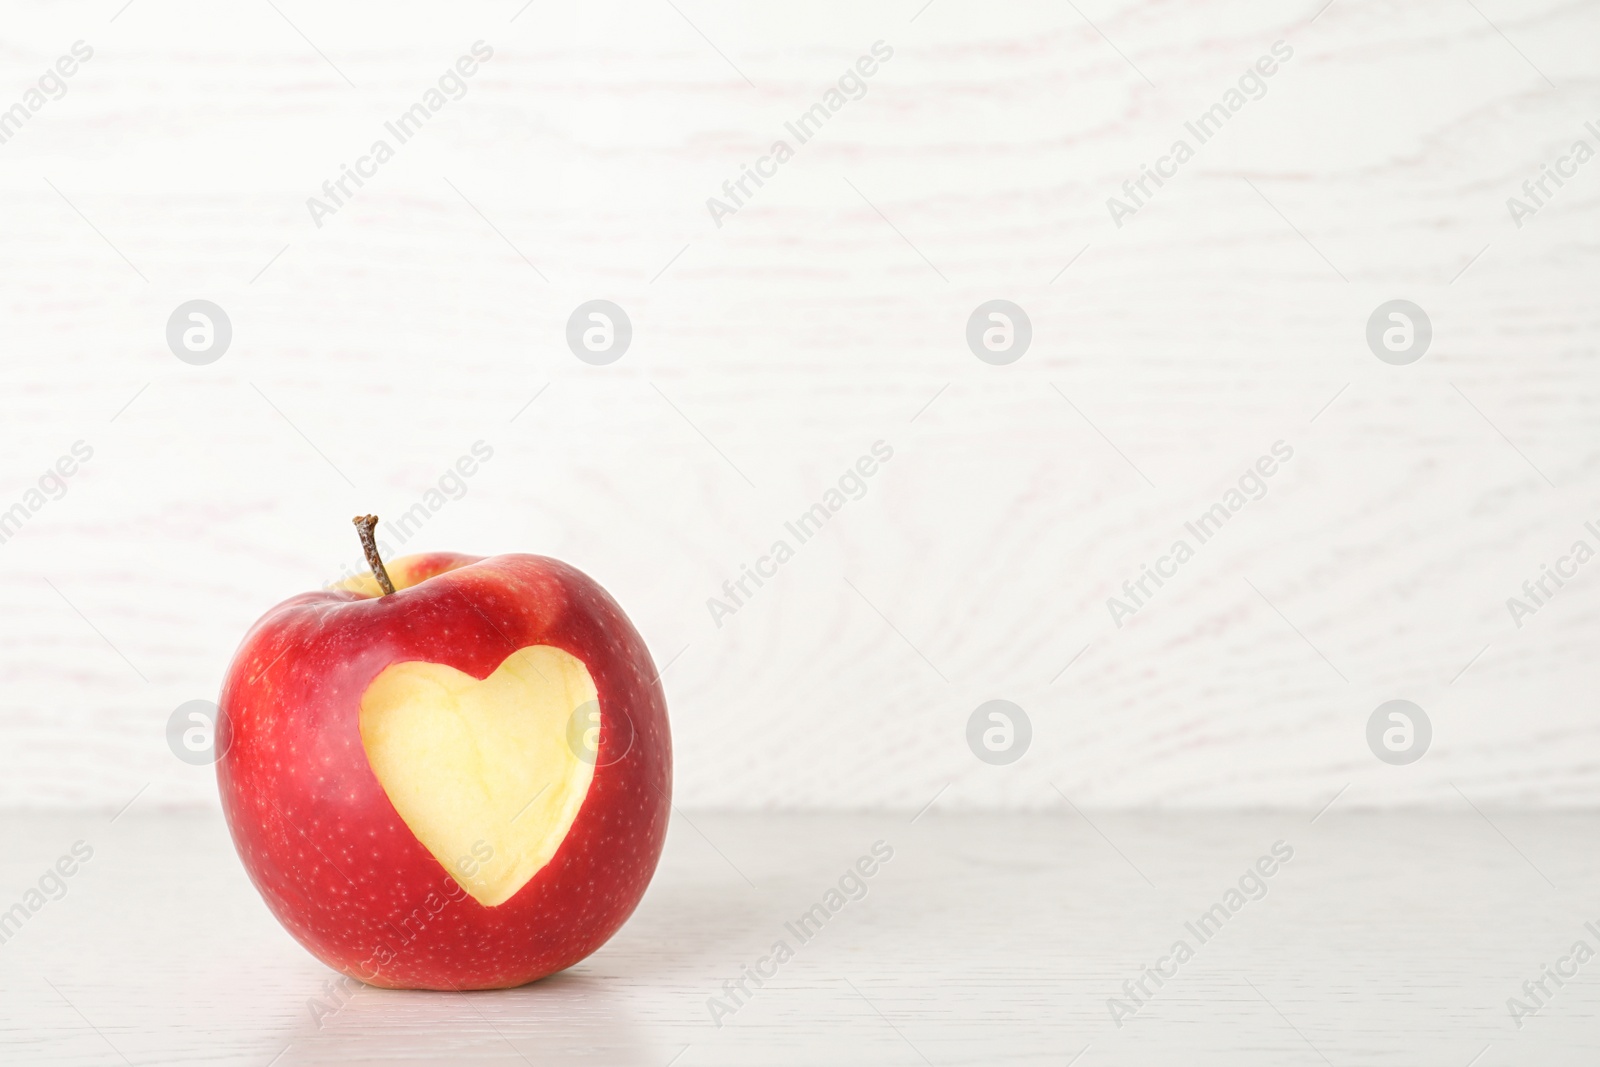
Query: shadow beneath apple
(719, 899)
(688, 936)
(567, 1018)
(643, 995)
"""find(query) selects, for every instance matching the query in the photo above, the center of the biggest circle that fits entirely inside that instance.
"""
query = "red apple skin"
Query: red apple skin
(325, 847)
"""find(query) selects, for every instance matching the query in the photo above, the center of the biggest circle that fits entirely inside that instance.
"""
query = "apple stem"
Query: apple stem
(369, 545)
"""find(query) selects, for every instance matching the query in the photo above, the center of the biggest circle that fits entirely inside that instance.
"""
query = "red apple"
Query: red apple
(462, 784)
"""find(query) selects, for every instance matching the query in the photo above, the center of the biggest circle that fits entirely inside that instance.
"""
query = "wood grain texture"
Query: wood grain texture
(1384, 939)
(827, 314)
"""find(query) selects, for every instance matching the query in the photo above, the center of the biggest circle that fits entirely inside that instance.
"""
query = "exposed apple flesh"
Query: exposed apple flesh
(482, 771)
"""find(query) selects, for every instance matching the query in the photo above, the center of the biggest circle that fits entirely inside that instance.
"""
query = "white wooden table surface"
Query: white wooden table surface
(993, 939)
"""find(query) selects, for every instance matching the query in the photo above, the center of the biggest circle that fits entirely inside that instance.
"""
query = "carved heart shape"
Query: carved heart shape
(483, 771)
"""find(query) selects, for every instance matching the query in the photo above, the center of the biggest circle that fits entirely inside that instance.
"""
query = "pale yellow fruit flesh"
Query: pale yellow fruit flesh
(484, 772)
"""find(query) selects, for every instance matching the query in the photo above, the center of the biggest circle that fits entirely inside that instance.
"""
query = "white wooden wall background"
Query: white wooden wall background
(1225, 316)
